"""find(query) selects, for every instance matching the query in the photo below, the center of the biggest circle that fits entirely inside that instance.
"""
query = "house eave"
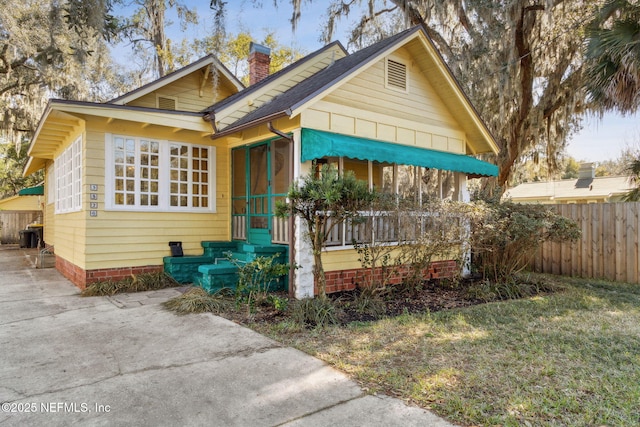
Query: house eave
(262, 120)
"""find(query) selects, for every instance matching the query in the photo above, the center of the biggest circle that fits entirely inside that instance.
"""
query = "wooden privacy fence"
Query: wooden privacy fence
(11, 222)
(608, 248)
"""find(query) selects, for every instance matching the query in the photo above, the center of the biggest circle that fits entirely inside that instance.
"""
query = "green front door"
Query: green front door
(259, 191)
(260, 176)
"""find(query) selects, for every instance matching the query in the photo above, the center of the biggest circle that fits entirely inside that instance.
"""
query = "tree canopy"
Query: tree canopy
(522, 62)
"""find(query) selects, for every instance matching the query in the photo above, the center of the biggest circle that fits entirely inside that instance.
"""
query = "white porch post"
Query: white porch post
(303, 255)
(465, 197)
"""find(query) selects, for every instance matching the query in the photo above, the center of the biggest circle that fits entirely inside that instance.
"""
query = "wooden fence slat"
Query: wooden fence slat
(620, 242)
(631, 232)
(607, 235)
(576, 247)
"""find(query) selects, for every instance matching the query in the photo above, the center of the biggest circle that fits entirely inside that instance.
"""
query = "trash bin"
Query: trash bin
(176, 248)
(37, 239)
(26, 239)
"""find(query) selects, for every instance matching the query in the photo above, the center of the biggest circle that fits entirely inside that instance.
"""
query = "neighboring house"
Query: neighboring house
(17, 212)
(199, 161)
(585, 189)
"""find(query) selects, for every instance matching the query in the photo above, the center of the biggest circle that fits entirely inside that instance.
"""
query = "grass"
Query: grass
(567, 358)
(197, 300)
(135, 283)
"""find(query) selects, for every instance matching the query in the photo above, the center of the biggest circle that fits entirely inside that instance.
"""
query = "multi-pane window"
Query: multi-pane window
(152, 174)
(189, 176)
(68, 178)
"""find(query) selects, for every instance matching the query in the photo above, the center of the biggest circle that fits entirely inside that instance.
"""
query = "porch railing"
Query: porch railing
(280, 230)
(385, 227)
(239, 227)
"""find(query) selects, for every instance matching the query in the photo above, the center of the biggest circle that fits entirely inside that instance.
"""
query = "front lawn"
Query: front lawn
(567, 358)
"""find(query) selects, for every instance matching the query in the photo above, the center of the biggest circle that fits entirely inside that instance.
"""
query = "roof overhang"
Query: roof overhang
(63, 119)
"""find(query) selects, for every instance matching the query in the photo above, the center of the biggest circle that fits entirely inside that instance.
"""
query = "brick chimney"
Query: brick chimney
(259, 61)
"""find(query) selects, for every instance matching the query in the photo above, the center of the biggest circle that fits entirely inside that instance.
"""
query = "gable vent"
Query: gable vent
(165, 103)
(396, 75)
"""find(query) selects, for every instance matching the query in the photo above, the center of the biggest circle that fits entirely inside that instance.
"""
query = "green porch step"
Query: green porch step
(214, 277)
(213, 270)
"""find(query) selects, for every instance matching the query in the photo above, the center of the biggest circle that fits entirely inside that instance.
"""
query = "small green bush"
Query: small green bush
(135, 283)
(196, 300)
(257, 278)
(314, 312)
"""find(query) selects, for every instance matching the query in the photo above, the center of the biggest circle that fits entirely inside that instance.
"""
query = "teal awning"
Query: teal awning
(317, 144)
(32, 191)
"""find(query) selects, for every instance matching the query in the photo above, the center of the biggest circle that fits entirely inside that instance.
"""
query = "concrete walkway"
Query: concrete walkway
(67, 360)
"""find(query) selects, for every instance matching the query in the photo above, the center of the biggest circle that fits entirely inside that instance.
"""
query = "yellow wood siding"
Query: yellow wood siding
(21, 203)
(187, 93)
(237, 111)
(363, 106)
(259, 133)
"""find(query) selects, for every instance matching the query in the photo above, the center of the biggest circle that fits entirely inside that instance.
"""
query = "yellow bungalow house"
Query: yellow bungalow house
(198, 161)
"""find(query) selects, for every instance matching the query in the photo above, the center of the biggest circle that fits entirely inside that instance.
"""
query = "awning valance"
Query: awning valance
(317, 144)
(32, 191)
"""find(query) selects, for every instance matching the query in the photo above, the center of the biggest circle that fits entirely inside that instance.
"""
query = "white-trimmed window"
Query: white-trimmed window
(158, 175)
(68, 178)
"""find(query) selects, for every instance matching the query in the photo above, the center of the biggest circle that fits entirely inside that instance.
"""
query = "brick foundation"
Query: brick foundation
(347, 280)
(81, 278)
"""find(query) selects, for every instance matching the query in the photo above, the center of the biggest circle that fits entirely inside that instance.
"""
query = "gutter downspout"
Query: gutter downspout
(211, 118)
(292, 290)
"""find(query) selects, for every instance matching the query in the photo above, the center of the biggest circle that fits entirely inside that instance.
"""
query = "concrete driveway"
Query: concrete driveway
(67, 360)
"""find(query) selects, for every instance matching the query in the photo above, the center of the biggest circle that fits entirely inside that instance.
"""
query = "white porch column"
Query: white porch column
(465, 197)
(303, 255)
(303, 275)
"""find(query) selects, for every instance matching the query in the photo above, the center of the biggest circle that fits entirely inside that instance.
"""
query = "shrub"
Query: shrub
(257, 278)
(196, 300)
(135, 283)
(314, 312)
(505, 236)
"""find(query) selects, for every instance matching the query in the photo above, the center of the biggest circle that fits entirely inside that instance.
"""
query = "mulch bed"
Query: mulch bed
(433, 296)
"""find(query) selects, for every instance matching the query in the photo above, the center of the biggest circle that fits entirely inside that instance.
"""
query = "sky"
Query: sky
(600, 139)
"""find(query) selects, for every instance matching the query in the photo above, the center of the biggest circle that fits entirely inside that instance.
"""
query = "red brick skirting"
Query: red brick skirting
(81, 278)
(347, 280)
